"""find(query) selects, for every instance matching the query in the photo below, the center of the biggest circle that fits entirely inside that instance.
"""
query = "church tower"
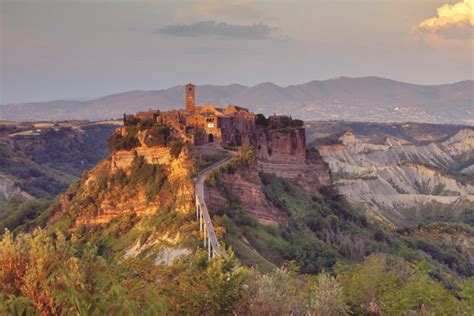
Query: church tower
(190, 97)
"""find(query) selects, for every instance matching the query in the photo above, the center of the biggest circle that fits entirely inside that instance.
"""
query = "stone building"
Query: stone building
(231, 126)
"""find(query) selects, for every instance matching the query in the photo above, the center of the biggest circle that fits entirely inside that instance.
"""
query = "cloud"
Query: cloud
(453, 22)
(220, 30)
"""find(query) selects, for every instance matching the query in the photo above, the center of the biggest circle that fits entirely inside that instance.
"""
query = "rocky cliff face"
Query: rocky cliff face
(140, 181)
(281, 145)
(111, 189)
(283, 152)
(246, 186)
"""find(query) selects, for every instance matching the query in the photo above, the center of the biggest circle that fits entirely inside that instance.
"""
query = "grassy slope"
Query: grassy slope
(323, 230)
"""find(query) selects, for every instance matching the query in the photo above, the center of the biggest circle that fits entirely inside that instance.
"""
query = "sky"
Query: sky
(84, 49)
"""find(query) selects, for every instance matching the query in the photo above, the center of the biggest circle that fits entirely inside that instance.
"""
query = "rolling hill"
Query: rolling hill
(367, 98)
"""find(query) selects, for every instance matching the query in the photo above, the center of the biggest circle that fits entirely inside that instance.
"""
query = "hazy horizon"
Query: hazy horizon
(104, 47)
(88, 98)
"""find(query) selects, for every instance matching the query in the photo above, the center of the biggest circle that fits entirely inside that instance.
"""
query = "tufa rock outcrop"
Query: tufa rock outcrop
(283, 152)
(246, 186)
(140, 181)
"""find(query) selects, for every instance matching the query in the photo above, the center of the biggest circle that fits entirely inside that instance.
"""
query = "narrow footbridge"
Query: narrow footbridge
(202, 214)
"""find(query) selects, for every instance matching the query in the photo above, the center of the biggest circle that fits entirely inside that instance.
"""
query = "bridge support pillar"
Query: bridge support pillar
(197, 209)
(205, 233)
(209, 249)
(200, 220)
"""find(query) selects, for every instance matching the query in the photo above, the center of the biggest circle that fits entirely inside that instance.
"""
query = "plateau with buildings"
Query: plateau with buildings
(232, 126)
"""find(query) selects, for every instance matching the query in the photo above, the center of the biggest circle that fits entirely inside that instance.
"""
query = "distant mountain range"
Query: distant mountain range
(361, 99)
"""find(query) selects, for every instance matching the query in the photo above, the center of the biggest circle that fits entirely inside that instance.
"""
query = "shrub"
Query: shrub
(153, 176)
(261, 120)
(297, 123)
(120, 177)
(159, 135)
(146, 124)
(175, 148)
(131, 120)
(247, 156)
(103, 179)
(389, 285)
(324, 295)
(118, 142)
(18, 212)
(268, 294)
(44, 274)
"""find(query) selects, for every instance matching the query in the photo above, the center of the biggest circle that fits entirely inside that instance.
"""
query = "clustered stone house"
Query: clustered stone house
(233, 126)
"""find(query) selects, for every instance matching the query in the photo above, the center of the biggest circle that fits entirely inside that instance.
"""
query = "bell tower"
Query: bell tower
(190, 97)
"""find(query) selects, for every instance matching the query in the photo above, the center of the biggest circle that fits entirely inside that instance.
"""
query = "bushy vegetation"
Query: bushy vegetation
(447, 255)
(35, 179)
(118, 142)
(85, 272)
(55, 275)
(152, 176)
(320, 230)
(45, 273)
(285, 122)
(208, 160)
(69, 150)
(50, 273)
(389, 285)
(176, 147)
(18, 212)
(282, 293)
(159, 135)
(155, 134)
(261, 120)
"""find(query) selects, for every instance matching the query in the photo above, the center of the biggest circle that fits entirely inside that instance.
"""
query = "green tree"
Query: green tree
(388, 285)
(324, 295)
(268, 294)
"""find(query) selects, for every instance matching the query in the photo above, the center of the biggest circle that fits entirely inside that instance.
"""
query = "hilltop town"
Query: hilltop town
(199, 125)
(232, 126)
(279, 144)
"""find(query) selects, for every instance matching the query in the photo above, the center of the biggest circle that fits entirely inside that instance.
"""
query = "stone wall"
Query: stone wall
(237, 131)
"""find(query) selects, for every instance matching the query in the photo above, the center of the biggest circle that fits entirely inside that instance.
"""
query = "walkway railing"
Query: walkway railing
(206, 228)
(202, 213)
